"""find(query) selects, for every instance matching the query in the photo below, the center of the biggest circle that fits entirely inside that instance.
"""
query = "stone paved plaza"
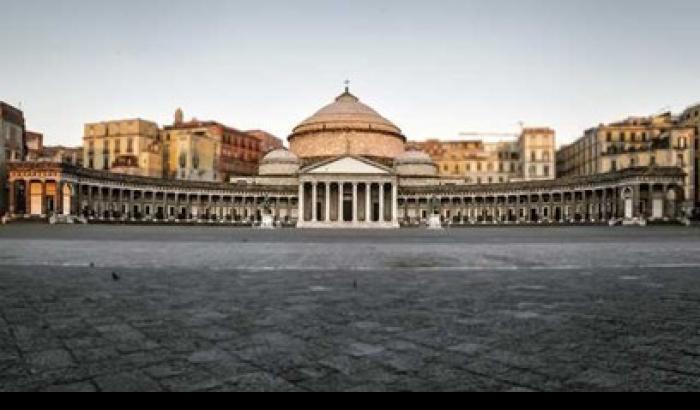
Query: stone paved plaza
(221, 309)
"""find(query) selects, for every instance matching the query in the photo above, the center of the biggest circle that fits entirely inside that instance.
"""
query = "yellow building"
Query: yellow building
(527, 158)
(538, 154)
(210, 151)
(661, 141)
(191, 152)
(124, 146)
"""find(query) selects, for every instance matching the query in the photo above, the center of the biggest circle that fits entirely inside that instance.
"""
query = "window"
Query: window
(613, 165)
(652, 161)
(533, 156)
(681, 160)
(118, 146)
(533, 170)
(546, 171)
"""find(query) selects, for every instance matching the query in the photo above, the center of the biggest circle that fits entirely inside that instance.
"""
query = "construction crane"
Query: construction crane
(489, 134)
(521, 124)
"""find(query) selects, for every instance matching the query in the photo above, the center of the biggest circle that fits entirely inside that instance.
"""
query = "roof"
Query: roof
(346, 112)
(146, 181)
(563, 183)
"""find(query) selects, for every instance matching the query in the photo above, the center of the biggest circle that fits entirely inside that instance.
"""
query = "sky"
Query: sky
(434, 68)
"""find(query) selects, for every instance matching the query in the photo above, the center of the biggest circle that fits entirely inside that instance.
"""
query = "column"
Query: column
(328, 202)
(11, 206)
(58, 198)
(44, 207)
(27, 197)
(368, 202)
(354, 202)
(604, 206)
(381, 203)
(153, 204)
(314, 202)
(340, 202)
(75, 200)
(395, 204)
(300, 211)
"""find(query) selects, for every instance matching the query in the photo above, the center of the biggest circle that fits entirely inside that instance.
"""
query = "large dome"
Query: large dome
(347, 127)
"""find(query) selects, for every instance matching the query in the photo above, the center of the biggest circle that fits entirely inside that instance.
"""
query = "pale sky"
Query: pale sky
(434, 68)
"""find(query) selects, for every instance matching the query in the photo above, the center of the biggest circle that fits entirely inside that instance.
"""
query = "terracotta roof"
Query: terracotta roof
(347, 112)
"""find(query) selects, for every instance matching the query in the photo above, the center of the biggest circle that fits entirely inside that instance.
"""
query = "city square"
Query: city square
(164, 308)
(366, 196)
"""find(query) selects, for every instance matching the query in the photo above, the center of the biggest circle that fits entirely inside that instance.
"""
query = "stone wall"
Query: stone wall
(336, 143)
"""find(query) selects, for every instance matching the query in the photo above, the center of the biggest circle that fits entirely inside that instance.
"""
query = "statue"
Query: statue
(268, 221)
(435, 205)
(266, 204)
(434, 219)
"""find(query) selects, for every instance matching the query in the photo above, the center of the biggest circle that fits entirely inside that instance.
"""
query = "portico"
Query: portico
(348, 192)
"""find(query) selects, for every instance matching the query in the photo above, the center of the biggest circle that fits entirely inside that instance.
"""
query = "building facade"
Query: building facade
(530, 157)
(268, 142)
(12, 146)
(656, 141)
(209, 151)
(34, 143)
(691, 117)
(186, 150)
(63, 155)
(124, 146)
(347, 182)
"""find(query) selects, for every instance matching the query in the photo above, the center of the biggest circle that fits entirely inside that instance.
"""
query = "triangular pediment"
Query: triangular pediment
(348, 165)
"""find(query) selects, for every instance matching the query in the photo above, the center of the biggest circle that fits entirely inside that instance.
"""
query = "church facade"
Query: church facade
(347, 167)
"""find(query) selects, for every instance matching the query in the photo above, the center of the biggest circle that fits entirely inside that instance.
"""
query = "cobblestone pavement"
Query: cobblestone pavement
(508, 309)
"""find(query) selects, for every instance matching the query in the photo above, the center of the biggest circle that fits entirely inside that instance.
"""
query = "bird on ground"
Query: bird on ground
(115, 277)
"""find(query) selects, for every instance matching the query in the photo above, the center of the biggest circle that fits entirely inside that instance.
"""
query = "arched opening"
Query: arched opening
(36, 194)
(20, 199)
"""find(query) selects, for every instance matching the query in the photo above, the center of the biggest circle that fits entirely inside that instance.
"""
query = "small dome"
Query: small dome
(279, 162)
(414, 157)
(415, 163)
(280, 155)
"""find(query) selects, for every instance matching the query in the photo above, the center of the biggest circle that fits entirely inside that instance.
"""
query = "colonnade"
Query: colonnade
(651, 201)
(328, 203)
